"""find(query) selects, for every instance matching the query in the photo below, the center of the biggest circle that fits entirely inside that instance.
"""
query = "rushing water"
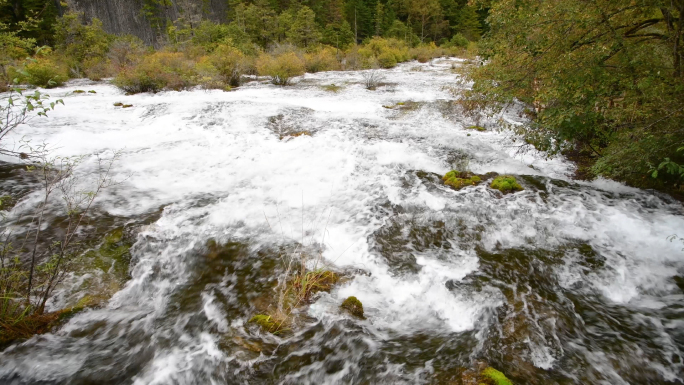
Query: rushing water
(563, 283)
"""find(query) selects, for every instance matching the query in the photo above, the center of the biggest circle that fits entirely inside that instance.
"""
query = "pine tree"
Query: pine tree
(304, 31)
(469, 24)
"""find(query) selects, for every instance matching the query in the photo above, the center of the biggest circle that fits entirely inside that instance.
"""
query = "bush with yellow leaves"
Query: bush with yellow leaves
(158, 71)
(281, 68)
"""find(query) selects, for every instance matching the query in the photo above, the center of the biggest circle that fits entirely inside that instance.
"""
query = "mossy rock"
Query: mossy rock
(79, 92)
(265, 321)
(269, 324)
(478, 128)
(118, 104)
(92, 92)
(127, 106)
(113, 255)
(506, 184)
(459, 179)
(332, 88)
(491, 376)
(353, 306)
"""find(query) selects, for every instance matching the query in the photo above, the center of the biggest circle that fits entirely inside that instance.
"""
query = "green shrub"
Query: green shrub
(458, 40)
(230, 64)
(81, 42)
(323, 60)
(280, 68)
(387, 60)
(158, 71)
(377, 48)
(425, 53)
(44, 72)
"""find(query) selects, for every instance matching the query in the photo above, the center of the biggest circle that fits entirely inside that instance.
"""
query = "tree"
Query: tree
(603, 77)
(424, 12)
(469, 24)
(304, 31)
(339, 35)
(259, 21)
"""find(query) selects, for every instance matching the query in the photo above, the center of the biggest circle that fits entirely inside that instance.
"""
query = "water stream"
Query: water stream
(563, 283)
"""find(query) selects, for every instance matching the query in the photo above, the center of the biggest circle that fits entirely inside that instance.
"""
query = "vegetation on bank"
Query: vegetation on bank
(259, 38)
(602, 80)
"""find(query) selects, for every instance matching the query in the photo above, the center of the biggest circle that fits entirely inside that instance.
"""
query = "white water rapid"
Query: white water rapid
(563, 283)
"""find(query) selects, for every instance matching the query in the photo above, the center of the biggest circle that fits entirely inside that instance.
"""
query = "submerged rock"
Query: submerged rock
(506, 184)
(353, 306)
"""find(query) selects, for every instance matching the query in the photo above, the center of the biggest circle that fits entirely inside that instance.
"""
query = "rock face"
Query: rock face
(127, 17)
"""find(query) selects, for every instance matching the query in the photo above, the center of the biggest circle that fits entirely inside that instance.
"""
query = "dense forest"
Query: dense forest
(332, 22)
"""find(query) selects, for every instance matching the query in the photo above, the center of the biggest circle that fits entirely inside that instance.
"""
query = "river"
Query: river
(566, 282)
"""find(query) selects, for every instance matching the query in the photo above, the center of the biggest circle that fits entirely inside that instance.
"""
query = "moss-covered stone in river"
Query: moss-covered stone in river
(459, 179)
(353, 306)
(265, 321)
(113, 255)
(477, 128)
(506, 184)
(491, 376)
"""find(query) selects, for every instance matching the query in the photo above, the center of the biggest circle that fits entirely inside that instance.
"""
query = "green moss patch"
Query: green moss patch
(265, 321)
(459, 179)
(491, 376)
(506, 184)
(79, 92)
(477, 128)
(118, 104)
(353, 306)
(92, 92)
(332, 88)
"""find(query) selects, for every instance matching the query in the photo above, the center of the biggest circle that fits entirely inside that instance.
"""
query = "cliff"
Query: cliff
(135, 18)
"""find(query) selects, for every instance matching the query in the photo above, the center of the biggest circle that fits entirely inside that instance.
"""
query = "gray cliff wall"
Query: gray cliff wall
(125, 16)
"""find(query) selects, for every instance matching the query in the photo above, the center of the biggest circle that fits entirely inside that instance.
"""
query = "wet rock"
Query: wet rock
(353, 306)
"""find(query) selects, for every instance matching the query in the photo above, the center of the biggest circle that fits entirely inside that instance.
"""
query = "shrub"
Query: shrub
(458, 40)
(280, 68)
(371, 79)
(230, 64)
(44, 72)
(158, 71)
(387, 60)
(80, 42)
(425, 53)
(125, 51)
(323, 60)
(97, 68)
(383, 52)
